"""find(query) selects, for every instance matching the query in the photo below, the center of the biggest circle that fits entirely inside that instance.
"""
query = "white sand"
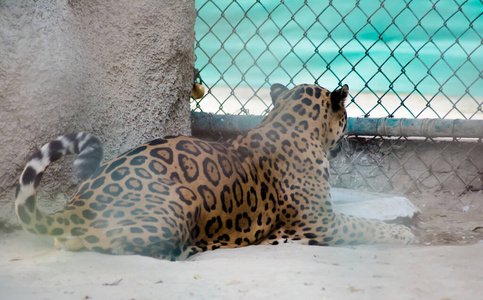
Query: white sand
(31, 269)
(255, 101)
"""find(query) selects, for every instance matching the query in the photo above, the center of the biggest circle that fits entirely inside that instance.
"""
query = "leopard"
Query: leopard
(179, 195)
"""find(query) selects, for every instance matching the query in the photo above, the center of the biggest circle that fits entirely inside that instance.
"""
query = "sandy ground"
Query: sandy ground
(447, 219)
(31, 269)
(445, 264)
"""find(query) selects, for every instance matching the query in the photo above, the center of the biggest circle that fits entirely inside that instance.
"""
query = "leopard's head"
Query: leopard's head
(314, 110)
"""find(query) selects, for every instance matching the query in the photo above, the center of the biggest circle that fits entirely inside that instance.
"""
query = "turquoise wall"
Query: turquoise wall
(391, 47)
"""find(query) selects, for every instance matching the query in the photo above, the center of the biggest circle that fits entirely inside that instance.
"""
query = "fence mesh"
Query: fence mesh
(401, 59)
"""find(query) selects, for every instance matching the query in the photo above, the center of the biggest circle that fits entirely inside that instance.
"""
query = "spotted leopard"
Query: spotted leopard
(176, 196)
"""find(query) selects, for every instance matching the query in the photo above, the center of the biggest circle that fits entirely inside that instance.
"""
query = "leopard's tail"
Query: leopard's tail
(89, 150)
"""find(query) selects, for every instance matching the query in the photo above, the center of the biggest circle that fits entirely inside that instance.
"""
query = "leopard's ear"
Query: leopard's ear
(276, 90)
(337, 98)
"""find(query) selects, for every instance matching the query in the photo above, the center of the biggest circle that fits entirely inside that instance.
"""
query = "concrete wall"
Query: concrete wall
(410, 166)
(121, 70)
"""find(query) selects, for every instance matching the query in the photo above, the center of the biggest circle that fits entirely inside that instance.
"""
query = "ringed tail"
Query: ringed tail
(89, 150)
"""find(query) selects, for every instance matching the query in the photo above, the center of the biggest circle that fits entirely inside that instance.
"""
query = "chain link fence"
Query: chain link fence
(401, 59)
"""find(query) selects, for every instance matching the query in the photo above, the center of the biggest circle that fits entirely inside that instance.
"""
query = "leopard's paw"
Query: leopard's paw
(404, 235)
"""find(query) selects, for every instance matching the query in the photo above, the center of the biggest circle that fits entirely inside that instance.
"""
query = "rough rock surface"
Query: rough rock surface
(121, 70)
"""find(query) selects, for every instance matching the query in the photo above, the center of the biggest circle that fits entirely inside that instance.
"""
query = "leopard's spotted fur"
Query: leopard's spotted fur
(176, 196)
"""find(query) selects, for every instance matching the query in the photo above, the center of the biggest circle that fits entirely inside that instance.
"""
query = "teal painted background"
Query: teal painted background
(399, 46)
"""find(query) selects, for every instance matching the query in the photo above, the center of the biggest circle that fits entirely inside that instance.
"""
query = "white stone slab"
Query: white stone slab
(376, 206)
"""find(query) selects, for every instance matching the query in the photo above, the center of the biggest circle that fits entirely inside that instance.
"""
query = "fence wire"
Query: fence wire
(401, 59)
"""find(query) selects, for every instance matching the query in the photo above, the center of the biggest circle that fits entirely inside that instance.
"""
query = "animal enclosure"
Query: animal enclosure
(414, 69)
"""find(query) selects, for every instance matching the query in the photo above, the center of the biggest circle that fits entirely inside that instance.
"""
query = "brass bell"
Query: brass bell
(198, 91)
